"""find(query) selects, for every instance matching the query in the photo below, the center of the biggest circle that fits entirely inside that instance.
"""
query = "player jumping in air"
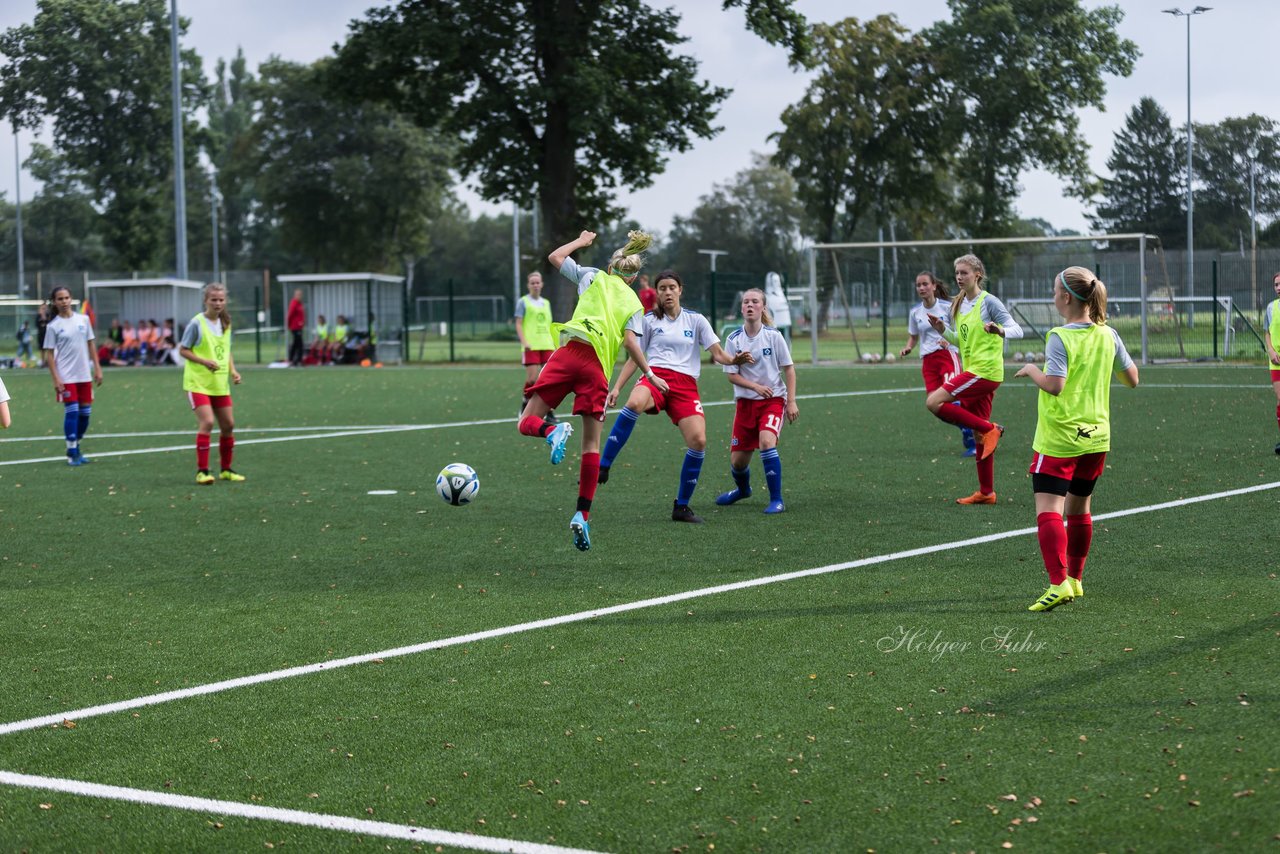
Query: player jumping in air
(606, 318)
(1073, 432)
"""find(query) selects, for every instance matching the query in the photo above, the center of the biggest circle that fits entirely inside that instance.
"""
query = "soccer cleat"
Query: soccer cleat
(775, 507)
(1077, 587)
(977, 498)
(733, 496)
(228, 474)
(557, 439)
(1053, 597)
(204, 478)
(75, 458)
(581, 532)
(987, 441)
(1278, 447)
(682, 513)
(603, 475)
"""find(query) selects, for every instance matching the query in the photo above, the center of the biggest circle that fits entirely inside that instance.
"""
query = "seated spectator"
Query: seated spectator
(318, 352)
(129, 348)
(338, 340)
(107, 354)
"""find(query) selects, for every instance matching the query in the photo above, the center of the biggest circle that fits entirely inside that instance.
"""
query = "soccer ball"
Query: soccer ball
(1017, 357)
(866, 357)
(875, 357)
(889, 357)
(457, 484)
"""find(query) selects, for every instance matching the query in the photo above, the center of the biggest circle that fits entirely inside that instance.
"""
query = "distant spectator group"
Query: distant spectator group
(339, 345)
(148, 343)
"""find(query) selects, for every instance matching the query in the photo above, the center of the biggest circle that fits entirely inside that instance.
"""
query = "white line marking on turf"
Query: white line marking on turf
(382, 492)
(580, 616)
(152, 433)
(286, 816)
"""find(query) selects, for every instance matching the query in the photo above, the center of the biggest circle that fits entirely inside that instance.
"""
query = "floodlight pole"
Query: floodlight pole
(17, 194)
(179, 176)
(1253, 226)
(515, 253)
(713, 253)
(213, 214)
(1191, 284)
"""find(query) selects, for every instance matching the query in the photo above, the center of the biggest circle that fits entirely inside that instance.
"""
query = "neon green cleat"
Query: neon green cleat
(1077, 588)
(1053, 597)
(204, 478)
(228, 474)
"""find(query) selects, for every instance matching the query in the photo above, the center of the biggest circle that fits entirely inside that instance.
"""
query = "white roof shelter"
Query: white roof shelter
(366, 299)
(144, 299)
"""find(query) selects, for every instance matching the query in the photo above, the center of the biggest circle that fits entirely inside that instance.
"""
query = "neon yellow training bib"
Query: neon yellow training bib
(1078, 421)
(215, 348)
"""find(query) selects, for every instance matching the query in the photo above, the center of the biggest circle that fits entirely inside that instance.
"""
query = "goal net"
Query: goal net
(860, 294)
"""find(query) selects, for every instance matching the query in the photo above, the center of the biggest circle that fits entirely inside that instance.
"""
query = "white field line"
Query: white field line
(54, 438)
(382, 829)
(578, 617)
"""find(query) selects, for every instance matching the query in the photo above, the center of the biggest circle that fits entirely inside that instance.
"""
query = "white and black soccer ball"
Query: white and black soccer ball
(457, 484)
(1017, 357)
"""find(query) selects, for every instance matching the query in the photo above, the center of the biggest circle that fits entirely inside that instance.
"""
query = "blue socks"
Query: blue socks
(618, 436)
(741, 479)
(772, 465)
(689, 472)
(82, 424)
(71, 426)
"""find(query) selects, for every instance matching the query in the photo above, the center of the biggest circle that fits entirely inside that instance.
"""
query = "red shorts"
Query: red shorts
(217, 401)
(938, 366)
(81, 393)
(574, 368)
(974, 393)
(1275, 375)
(535, 357)
(681, 399)
(1087, 467)
(752, 417)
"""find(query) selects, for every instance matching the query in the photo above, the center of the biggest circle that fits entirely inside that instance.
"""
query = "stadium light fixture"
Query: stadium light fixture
(1191, 283)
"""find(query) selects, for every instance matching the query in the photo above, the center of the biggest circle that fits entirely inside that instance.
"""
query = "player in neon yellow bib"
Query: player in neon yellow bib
(1271, 337)
(207, 378)
(1073, 431)
(606, 319)
(979, 326)
(533, 328)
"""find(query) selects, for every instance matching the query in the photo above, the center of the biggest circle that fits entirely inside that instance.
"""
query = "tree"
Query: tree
(349, 185)
(1146, 189)
(230, 142)
(1222, 161)
(871, 128)
(563, 102)
(756, 217)
(99, 70)
(61, 228)
(1020, 69)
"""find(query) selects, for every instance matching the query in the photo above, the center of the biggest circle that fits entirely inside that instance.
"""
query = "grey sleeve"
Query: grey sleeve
(994, 309)
(190, 335)
(1123, 359)
(1055, 356)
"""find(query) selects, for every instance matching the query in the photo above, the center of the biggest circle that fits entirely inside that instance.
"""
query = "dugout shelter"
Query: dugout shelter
(144, 299)
(373, 304)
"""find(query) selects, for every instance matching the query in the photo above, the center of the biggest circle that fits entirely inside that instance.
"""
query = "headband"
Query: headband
(1063, 277)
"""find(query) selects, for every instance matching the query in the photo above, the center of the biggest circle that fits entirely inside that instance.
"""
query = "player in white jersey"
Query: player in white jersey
(4, 407)
(73, 362)
(938, 359)
(763, 391)
(673, 341)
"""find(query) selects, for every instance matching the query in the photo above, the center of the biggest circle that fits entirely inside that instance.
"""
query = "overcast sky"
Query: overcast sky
(1233, 73)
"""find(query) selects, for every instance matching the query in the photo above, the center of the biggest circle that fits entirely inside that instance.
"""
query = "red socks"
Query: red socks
(225, 446)
(1079, 537)
(987, 475)
(535, 426)
(202, 451)
(962, 417)
(1053, 545)
(588, 477)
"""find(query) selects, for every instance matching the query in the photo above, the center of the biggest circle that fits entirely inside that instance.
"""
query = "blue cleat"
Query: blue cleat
(970, 443)
(733, 496)
(557, 439)
(75, 458)
(581, 532)
(775, 507)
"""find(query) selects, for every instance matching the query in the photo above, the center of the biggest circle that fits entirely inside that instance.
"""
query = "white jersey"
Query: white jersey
(918, 325)
(68, 338)
(677, 343)
(4, 392)
(771, 355)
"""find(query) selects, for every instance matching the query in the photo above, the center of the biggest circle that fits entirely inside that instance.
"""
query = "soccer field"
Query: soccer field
(296, 662)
